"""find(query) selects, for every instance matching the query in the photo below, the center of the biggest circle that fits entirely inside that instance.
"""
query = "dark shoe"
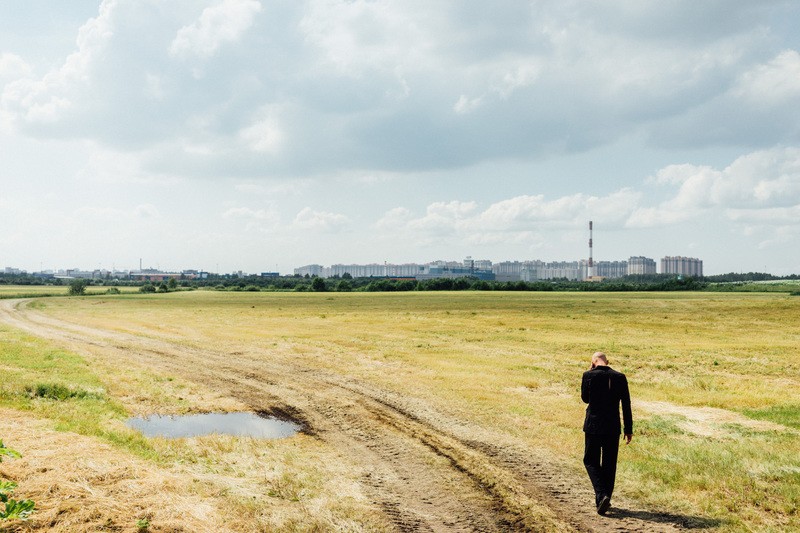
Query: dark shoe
(605, 503)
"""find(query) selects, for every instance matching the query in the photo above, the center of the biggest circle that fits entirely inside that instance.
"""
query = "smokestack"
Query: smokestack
(590, 273)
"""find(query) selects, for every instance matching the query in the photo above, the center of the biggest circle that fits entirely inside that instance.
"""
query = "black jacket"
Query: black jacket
(604, 389)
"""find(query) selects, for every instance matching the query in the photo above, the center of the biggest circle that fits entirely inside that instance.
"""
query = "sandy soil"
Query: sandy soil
(426, 471)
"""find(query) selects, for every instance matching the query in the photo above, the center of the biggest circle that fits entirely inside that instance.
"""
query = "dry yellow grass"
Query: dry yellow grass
(509, 365)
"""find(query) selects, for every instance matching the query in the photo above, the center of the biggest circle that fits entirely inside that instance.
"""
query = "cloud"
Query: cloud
(114, 214)
(263, 220)
(309, 219)
(222, 23)
(394, 219)
(567, 211)
(774, 82)
(515, 220)
(288, 90)
(765, 182)
(276, 188)
(265, 135)
(12, 67)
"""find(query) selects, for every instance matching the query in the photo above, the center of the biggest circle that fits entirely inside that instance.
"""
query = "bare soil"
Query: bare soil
(424, 470)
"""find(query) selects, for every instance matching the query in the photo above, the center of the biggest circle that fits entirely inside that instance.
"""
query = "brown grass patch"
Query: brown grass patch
(80, 484)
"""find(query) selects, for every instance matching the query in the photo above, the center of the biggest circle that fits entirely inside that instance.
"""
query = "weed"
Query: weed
(12, 509)
(56, 391)
(7, 452)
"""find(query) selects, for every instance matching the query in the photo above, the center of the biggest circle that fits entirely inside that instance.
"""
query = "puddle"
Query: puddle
(237, 424)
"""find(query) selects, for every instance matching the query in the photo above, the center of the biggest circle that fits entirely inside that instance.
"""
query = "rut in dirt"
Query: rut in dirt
(427, 472)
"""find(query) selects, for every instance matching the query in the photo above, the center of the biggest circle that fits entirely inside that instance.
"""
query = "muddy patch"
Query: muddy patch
(236, 424)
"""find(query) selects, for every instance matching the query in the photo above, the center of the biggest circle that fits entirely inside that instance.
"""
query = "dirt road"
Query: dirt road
(426, 471)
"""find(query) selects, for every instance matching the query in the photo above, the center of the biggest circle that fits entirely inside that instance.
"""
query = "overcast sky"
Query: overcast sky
(259, 135)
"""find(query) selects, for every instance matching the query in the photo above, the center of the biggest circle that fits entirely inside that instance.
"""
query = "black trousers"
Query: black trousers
(600, 460)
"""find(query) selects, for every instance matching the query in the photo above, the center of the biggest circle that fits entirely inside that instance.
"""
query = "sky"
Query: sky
(263, 135)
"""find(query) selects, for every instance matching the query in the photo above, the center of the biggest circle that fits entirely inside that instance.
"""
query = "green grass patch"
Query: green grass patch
(59, 392)
(787, 415)
(58, 385)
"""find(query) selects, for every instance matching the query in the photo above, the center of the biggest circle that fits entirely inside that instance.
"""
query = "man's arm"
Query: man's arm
(585, 387)
(627, 415)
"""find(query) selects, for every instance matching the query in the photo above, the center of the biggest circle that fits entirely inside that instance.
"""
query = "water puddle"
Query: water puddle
(237, 424)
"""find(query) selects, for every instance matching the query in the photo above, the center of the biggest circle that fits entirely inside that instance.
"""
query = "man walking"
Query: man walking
(604, 389)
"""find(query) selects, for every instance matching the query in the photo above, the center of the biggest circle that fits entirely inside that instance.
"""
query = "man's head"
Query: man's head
(599, 359)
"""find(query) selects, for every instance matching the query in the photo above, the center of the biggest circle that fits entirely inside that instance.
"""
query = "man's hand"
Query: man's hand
(628, 437)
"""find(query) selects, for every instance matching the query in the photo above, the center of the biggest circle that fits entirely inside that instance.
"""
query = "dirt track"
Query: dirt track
(427, 472)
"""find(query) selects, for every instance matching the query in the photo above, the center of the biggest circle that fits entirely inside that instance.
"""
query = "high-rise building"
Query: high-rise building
(640, 265)
(684, 266)
(309, 270)
(538, 270)
(611, 269)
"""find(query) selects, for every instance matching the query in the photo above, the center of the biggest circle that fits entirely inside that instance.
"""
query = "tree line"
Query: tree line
(346, 283)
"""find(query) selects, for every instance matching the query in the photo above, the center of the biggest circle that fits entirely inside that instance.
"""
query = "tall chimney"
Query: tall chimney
(590, 273)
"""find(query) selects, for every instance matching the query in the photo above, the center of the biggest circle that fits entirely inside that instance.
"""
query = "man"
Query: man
(604, 389)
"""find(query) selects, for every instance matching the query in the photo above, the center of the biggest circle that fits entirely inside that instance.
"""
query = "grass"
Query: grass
(307, 487)
(77, 401)
(511, 363)
(41, 291)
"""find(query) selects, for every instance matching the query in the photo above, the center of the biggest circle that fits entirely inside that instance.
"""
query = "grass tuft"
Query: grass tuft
(58, 392)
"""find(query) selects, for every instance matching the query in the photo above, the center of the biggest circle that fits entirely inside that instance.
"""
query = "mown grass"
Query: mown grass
(511, 363)
(288, 485)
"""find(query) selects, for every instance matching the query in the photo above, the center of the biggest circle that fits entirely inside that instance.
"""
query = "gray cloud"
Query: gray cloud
(327, 86)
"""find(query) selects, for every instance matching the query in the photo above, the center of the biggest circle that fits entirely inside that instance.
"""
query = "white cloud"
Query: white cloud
(394, 219)
(567, 211)
(466, 104)
(309, 219)
(522, 219)
(46, 100)
(291, 188)
(263, 220)
(265, 135)
(217, 25)
(765, 182)
(356, 36)
(774, 82)
(12, 67)
(115, 214)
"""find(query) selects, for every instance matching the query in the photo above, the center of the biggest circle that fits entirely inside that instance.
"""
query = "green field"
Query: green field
(34, 291)
(714, 376)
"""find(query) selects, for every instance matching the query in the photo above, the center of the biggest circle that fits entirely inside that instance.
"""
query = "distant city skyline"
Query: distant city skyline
(603, 268)
(262, 135)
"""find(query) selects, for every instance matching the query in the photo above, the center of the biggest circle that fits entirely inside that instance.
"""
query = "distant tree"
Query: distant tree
(147, 287)
(162, 287)
(347, 275)
(344, 286)
(77, 287)
(172, 284)
(318, 285)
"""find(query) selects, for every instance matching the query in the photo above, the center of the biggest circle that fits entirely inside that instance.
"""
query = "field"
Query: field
(438, 411)
(33, 291)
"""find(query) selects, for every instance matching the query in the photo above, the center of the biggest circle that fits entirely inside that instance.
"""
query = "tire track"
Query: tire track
(425, 471)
